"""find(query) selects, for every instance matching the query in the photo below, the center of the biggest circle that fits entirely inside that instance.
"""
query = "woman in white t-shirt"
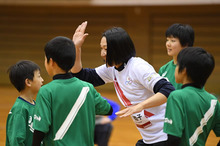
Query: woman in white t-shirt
(139, 88)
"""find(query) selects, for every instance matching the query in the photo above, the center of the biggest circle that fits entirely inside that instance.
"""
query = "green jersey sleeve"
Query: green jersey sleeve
(216, 128)
(174, 116)
(101, 105)
(42, 112)
(16, 130)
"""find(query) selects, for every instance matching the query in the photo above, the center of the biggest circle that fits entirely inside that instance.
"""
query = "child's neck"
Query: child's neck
(174, 60)
(58, 71)
(186, 80)
(28, 97)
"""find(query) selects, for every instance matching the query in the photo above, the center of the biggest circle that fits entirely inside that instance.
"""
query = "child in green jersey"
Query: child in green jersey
(192, 112)
(66, 107)
(178, 37)
(26, 78)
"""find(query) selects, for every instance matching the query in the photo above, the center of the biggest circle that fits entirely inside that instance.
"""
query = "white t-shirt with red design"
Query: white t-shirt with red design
(133, 85)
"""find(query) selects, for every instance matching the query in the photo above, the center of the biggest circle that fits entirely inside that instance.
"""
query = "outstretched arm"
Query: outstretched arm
(162, 89)
(155, 100)
(78, 38)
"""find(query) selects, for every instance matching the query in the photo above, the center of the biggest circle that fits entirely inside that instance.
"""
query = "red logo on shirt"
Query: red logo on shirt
(147, 114)
(121, 94)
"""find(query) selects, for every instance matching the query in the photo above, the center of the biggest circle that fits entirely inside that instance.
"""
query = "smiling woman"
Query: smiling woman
(139, 88)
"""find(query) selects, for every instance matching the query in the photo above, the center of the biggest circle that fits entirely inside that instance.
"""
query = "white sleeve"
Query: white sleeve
(106, 73)
(146, 75)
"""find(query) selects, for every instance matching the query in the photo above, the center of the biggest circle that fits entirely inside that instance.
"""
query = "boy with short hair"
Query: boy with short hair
(26, 78)
(66, 107)
(178, 37)
(192, 112)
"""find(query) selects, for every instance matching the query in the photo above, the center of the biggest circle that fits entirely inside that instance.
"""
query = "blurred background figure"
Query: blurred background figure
(103, 125)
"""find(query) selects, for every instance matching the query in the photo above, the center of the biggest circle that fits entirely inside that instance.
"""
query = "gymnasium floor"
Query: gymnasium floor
(124, 132)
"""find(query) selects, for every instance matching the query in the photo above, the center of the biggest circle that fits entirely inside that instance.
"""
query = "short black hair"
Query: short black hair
(183, 32)
(21, 71)
(120, 47)
(62, 50)
(198, 62)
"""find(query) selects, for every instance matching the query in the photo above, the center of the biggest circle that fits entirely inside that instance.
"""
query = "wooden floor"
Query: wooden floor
(124, 132)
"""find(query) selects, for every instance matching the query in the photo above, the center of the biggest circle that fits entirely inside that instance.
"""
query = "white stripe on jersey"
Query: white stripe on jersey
(71, 116)
(203, 122)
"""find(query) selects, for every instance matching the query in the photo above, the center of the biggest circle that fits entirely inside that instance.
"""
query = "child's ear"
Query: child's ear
(184, 71)
(27, 82)
(52, 62)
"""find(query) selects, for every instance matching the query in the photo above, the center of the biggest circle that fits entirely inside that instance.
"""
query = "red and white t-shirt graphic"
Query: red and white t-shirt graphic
(125, 101)
(147, 114)
(141, 119)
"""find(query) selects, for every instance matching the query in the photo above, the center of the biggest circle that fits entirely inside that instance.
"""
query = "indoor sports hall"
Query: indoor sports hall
(26, 26)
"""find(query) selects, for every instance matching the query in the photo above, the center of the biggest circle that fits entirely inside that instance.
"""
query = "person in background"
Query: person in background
(192, 112)
(26, 78)
(103, 125)
(178, 37)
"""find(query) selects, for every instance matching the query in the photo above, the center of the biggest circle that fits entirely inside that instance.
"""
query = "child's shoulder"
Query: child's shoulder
(181, 93)
(84, 83)
(20, 106)
(177, 92)
(170, 63)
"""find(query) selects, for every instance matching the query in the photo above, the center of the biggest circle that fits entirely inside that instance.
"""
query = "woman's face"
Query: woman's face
(103, 45)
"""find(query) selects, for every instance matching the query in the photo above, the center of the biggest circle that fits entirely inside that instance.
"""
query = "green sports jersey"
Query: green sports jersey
(19, 127)
(54, 112)
(191, 114)
(168, 71)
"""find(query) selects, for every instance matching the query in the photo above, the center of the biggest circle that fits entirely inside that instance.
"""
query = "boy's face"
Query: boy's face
(173, 46)
(37, 81)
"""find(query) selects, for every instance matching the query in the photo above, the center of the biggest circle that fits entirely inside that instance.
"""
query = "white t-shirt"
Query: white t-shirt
(133, 85)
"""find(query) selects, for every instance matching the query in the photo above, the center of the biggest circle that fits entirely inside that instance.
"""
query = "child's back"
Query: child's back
(66, 107)
(200, 111)
(60, 96)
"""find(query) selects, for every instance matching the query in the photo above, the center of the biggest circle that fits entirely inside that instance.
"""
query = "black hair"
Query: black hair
(21, 71)
(120, 47)
(183, 32)
(198, 62)
(62, 51)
